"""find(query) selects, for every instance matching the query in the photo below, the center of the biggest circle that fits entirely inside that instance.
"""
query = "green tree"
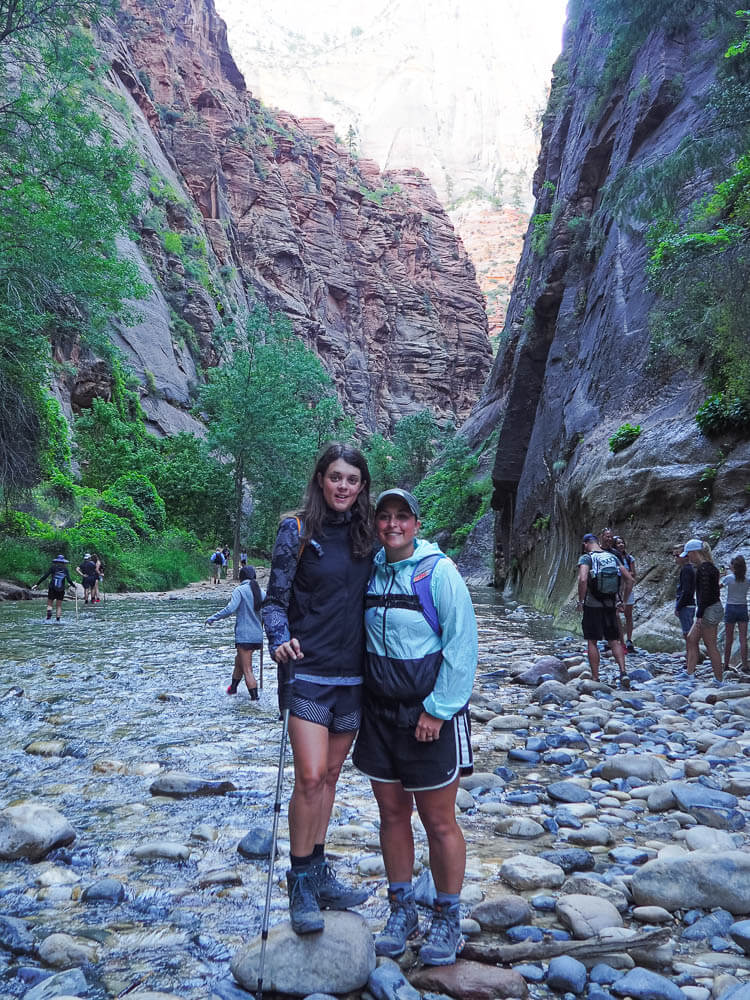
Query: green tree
(66, 193)
(415, 440)
(109, 444)
(268, 411)
(197, 489)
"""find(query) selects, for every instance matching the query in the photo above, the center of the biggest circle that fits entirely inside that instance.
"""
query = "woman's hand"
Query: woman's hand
(428, 728)
(287, 651)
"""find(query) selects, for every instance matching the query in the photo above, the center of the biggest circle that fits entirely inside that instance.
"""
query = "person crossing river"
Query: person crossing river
(59, 576)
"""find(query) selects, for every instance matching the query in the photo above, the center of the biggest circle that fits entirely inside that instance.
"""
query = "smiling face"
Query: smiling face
(397, 528)
(341, 484)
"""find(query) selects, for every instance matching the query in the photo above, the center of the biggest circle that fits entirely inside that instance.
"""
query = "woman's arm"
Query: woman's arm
(274, 611)
(455, 680)
(230, 609)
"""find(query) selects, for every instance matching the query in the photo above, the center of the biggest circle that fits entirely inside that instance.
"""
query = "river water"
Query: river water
(123, 692)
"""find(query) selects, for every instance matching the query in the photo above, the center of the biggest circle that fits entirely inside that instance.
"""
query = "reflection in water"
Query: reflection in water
(127, 690)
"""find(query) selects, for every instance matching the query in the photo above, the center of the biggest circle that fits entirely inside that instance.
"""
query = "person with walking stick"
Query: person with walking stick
(313, 615)
(245, 603)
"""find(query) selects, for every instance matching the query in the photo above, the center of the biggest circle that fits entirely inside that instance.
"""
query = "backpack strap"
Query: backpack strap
(421, 586)
(302, 541)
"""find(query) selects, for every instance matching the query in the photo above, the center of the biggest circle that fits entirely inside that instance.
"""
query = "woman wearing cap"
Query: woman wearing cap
(414, 742)
(59, 575)
(709, 611)
(313, 615)
(87, 570)
(245, 602)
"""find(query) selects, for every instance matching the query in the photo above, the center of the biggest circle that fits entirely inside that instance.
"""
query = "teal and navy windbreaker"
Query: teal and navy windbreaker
(407, 661)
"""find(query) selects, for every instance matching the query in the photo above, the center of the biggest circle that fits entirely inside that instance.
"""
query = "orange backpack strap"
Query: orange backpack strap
(302, 541)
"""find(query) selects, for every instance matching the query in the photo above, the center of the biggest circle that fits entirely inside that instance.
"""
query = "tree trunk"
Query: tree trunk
(239, 479)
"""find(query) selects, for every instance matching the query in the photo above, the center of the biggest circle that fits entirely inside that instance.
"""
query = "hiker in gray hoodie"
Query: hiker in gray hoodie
(245, 603)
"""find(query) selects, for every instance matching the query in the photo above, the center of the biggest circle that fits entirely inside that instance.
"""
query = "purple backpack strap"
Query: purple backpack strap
(421, 581)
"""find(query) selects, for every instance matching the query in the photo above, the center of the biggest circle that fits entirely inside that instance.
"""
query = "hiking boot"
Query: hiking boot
(444, 940)
(232, 689)
(625, 682)
(332, 894)
(402, 924)
(629, 647)
(304, 912)
(254, 696)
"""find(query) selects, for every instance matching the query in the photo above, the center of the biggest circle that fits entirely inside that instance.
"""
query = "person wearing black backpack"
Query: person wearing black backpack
(59, 575)
(601, 577)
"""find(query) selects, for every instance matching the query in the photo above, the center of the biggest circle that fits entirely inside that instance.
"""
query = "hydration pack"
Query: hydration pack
(58, 579)
(420, 598)
(604, 576)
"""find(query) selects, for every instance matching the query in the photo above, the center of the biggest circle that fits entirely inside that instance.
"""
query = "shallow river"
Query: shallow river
(134, 688)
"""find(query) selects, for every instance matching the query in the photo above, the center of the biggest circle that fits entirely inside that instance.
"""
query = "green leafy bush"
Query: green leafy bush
(144, 495)
(452, 498)
(101, 531)
(722, 414)
(624, 436)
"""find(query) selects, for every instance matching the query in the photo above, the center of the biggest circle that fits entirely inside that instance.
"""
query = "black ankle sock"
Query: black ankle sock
(301, 863)
(319, 852)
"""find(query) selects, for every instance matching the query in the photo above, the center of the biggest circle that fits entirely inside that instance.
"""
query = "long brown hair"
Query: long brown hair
(314, 508)
(739, 568)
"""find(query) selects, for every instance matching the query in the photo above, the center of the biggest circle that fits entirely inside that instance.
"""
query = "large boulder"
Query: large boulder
(31, 830)
(337, 960)
(705, 879)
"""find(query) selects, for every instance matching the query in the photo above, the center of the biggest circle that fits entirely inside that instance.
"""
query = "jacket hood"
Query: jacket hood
(422, 548)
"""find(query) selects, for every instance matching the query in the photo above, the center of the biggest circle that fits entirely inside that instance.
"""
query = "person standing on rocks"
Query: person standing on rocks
(313, 615)
(684, 605)
(709, 610)
(620, 550)
(599, 581)
(58, 576)
(735, 612)
(217, 561)
(414, 742)
(245, 602)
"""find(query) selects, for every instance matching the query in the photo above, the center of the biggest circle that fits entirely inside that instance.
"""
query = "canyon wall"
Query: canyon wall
(245, 206)
(576, 365)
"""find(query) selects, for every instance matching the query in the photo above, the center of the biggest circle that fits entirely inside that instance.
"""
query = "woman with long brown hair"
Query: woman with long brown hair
(709, 610)
(314, 619)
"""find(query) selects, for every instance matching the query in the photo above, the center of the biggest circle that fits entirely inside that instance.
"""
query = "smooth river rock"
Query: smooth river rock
(630, 765)
(586, 916)
(705, 879)
(470, 981)
(525, 871)
(179, 785)
(31, 830)
(337, 960)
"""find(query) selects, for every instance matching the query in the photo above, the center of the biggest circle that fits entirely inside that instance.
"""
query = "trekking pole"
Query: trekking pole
(261, 666)
(272, 856)
(75, 591)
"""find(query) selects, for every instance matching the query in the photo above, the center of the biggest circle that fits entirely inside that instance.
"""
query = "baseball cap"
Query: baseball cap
(589, 538)
(694, 545)
(409, 499)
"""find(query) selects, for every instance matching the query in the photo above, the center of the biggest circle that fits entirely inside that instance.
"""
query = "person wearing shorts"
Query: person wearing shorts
(313, 615)
(735, 612)
(59, 577)
(245, 603)
(600, 614)
(87, 570)
(709, 610)
(414, 742)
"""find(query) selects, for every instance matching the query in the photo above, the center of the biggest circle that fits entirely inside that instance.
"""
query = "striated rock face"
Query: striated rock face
(575, 365)
(272, 209)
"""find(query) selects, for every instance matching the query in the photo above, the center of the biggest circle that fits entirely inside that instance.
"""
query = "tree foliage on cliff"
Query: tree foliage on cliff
(66, 193)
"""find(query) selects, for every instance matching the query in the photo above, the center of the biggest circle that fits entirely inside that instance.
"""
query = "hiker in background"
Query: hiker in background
(607, 542)
(620, 550)
(243, 556)
(99, 577)
(599, 582)
(87, 570)
(217, 561)
(415, 738)
(245, 603)
(246, 572)
(313, 615)
(735, 611)
(684, 604)
(709, 611)
(226, 552)
(59, 576)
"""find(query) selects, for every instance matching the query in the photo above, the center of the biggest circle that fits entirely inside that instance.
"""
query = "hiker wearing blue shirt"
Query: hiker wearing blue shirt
(414, 742)
(59, 576)
(217, 561)
(245, 603)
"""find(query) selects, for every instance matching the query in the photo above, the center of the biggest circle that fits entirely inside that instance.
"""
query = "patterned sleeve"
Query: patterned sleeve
(283, 567)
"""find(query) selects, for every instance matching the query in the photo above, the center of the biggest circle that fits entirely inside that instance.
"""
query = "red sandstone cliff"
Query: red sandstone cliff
(367, 265)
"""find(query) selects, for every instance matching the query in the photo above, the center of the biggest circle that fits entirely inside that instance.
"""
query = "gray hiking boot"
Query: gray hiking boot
(444, 940)
(402, 924)
(332, 894)
(304, 912)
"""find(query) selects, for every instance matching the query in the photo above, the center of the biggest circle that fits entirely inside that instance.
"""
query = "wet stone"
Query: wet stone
(566, 974)
(568, 791)
(15, 936)
(104, 890)
(256, 844)
(642, 984)
(573, 859)
(178, 785)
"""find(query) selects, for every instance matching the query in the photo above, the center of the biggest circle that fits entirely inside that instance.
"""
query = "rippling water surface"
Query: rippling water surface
(130, 689)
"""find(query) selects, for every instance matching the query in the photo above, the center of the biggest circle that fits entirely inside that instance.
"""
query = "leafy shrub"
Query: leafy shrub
(451, 498)
(144, 496)
(173, 243)
(723, 414)
(101, 531)
(623, 436)
(122, 506)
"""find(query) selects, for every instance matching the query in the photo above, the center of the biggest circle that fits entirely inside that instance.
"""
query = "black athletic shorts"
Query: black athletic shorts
(53, 594)
(390, 753)
(338, 707)
(600, 623)
(89, 582)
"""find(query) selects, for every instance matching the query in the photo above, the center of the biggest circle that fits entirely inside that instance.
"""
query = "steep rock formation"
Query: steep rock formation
(366, 265)
(575, 366)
